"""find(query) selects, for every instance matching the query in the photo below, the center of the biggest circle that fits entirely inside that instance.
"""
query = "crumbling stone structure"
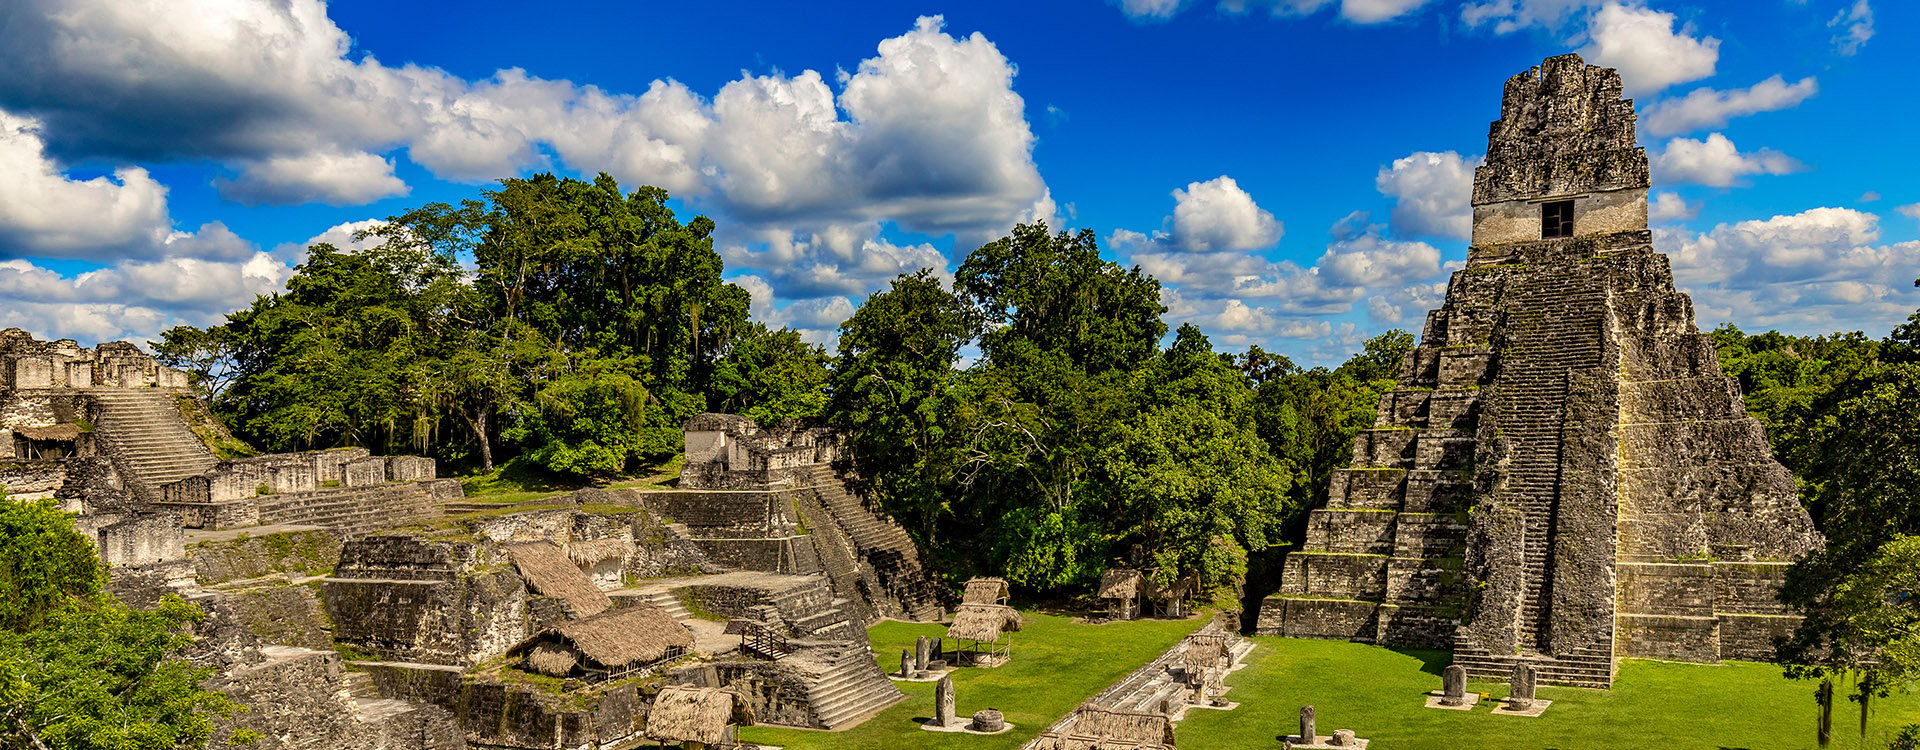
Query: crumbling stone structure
(1564, 475)
(748, 492)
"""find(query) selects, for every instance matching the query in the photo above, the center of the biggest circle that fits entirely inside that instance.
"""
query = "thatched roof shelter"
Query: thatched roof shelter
(1181, 588)
(1120, 583)
(549, 572)
(985, 591)
(65, 432)
(595, 551)
(983, 623)
(621, 639)
(1093, 728)
(694, 714)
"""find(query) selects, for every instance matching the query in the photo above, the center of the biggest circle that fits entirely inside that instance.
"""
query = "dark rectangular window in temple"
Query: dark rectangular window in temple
(1556, 219)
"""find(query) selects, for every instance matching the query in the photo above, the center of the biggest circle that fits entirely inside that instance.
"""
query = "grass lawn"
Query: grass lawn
(1056, 665)
(1377, 693)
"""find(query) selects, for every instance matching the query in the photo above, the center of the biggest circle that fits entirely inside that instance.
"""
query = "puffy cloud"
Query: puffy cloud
(1667, 206)
(319, 176)
(134, 299)
(1218, 215)
(816, 320)
(1911, 210)
(842, 259)
(1712, 108)
(1649, 53)
(933, 138)
(1800, 272)
(43, 213)
(1855, 26)
(1432, 193)
(1716, 162)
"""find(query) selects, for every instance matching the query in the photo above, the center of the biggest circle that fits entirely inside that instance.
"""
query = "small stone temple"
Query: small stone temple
(1563, 476)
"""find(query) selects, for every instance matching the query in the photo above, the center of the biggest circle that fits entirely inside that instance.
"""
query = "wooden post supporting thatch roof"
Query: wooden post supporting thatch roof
(549, 572)
(1094, 728)
(613, 641)
(983, 623)
(985, 591)
(692, 714)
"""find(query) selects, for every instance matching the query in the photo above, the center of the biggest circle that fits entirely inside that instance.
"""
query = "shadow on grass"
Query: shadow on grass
(1431, 661)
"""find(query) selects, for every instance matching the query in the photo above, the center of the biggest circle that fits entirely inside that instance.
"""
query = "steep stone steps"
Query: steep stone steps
(147, 438)
(851, 688)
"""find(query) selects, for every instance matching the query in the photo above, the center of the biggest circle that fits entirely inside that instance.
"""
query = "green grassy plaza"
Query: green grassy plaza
(1374, 691)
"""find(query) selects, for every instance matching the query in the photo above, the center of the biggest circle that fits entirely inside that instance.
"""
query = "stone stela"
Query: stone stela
(1623, 502)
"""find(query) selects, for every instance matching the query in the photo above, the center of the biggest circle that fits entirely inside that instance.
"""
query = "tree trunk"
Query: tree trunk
(478, 423)
(1825, 697)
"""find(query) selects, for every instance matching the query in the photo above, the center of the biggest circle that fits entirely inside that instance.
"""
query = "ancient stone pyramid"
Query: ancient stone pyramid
(1563, 475)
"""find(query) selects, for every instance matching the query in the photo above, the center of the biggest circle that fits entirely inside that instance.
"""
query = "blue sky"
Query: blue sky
(1295, 171)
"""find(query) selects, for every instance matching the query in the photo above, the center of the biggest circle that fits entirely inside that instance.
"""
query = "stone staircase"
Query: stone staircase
(355, 511)
(671, 603)
(1587, 668)
(851, 687)
(147, 438)
(882, 544)
(1556, 327)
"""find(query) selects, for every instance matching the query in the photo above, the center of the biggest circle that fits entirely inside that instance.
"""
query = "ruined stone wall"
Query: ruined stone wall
(292, 552)
(410, 599)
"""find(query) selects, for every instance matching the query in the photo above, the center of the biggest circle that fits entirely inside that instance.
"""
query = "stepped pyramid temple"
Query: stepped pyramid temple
(1563, 476)
(357, 601)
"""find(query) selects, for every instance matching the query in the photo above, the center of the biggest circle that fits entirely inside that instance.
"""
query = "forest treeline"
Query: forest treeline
(1033, 418)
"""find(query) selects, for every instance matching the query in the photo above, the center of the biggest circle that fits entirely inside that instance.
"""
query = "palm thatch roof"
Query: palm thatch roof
(690, 714)
(1181, 588)
(985, 591)
(1120, 583)
(552, 659)
(594, 551)
(1093, 728)
(53, 432)
(631, 636)
(546, 568)
(983, 623)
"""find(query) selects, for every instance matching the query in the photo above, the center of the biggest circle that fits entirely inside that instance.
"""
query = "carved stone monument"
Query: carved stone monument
(943, 701)
(1564, 394)
(1307, 735)
(906, 664)
(920, 656)
(988, 720)
(1520, 688)
(1453, 685)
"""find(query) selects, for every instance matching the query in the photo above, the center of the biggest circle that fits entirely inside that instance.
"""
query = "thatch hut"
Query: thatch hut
(1171, 601)
(550, 572)
(984, 628)
(1120, 590)
(985, 591)
(606, 646)
(600, 559)
(695, 717)
(1095, 728)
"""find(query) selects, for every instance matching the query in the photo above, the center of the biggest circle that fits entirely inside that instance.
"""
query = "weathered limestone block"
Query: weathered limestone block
(1351, 531)
(409, 468)
(1389, 448)
(1366, 489)
(143, 539)
(364, 472)
(1350, 576)
(1678, 637)
(1341, 619)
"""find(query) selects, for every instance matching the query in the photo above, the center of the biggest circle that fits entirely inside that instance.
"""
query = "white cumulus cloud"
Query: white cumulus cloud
(1716, 162)
(1807, 272)
(1911, 210)
(1644, 46)
(1218, 215)
(44, 213)
(1712, 108)
(1508, 16)
(319, 176)
(1432, 194)
(1667, 206)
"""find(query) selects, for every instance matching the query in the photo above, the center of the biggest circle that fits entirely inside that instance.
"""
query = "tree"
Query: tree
(769, 376)
(78, 671)
(891, 393)
(45, 563)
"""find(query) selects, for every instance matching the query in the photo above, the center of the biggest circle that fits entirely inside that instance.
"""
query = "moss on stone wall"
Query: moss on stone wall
(310, 552)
